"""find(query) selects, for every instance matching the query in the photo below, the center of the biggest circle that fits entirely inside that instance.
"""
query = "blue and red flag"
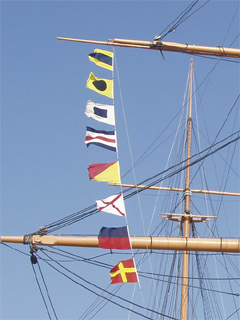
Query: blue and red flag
(114, 238)
(101, 138)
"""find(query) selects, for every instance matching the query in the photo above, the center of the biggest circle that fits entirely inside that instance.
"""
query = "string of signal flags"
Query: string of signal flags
(109, 238)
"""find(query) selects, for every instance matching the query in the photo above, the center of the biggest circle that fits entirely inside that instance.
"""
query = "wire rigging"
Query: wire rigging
(82, 214)
(34, 261)
(34, 271)
(183, 16)
(113, 294)
(99, 288)
(206, 306)
(184, 167)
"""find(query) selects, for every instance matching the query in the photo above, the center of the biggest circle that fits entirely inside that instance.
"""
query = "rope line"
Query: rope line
(103, 290)
(41, 292)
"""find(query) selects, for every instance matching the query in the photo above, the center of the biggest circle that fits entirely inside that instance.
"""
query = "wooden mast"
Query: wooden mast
(187, 217)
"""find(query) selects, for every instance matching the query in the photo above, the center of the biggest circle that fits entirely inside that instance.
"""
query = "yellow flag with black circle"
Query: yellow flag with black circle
(100, 85)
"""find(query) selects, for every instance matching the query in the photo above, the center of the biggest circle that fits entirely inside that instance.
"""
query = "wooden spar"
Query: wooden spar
(165, 46)
(139, 186)
(187, 220)
(150, 243)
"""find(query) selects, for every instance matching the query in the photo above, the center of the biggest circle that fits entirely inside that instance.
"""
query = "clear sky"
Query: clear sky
(44, 159)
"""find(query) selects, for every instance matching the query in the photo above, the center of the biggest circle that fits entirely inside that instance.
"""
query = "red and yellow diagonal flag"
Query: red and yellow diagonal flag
(124, 271)
(108, 172)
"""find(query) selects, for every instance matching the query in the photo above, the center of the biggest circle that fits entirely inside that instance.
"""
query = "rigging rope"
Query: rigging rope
(184, 167)
(82, 214)
(145, 274)
(134, 174)
(180, 19)
(206, 306)
(129, 143)
(33, 262)
(100, 303)
(103, 290)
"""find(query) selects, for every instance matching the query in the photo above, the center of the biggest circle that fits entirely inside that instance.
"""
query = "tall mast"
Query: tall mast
(187, 215)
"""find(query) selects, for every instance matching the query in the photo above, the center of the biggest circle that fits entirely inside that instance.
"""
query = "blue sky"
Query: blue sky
(44, 159)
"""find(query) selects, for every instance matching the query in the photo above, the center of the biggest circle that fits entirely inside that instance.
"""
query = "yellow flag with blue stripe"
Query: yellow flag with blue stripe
(102, 58)
(102, 86)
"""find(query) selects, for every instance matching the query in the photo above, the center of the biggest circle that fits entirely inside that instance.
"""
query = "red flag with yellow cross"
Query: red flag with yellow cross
(124, 271)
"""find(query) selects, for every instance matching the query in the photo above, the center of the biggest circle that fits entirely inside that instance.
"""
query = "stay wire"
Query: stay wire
(41, 292)
(235, 266)
(99, 295)
(100, 303)
(46, 288)
(181, 18)
(230, 284)
(232, 314)
(68, 220)
(216, 138)
(232, 60)
(71, 221)
(235, 14)
(184, 167)
(224, 123)
(74, 257)
(173, 146)
(103, 290)
(230, 276)
(142, 272)
(132, 162)
(93, 261)
(207, 149)
(92, 308)
(227, 164)
(73, 216)
(129, 142)
(19, 251)
(147, 152)
(178, 19)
